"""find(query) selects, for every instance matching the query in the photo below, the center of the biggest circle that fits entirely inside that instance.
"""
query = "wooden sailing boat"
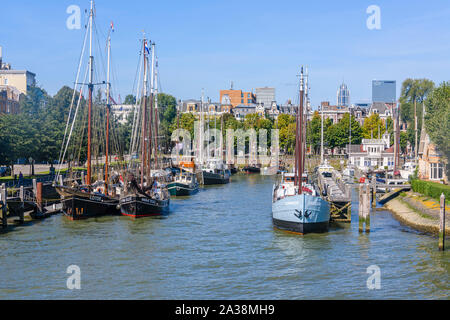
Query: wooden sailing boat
(150, 197)
(297, 205)
(213, 170)
(90, 199)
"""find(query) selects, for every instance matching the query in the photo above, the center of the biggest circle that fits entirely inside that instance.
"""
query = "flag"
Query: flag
(146, 47)
(112, 26)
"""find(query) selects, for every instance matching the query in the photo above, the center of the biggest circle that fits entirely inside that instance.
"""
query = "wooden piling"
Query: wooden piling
(39, 196)
(367, 211)
(374, 192)
(442, 224)
(22, 205)
(361, 207)
(3, 204)
(364, 207)
(34, 186)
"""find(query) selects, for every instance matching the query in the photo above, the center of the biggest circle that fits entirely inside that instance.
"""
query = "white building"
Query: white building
(121, 112)
(373, 153)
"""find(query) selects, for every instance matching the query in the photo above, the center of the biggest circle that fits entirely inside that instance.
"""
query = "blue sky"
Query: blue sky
(208, 44)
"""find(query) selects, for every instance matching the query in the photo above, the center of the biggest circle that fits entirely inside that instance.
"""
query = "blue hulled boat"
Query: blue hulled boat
(299, 213)
(297, 205)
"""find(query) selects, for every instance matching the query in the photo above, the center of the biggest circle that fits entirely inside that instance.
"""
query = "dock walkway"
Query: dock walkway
(338, 195)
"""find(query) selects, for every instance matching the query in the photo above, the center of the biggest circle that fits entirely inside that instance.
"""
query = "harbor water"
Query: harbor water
(220, 244)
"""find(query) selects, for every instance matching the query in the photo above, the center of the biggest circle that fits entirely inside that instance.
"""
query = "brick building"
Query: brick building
(238, 97)
(9, 100)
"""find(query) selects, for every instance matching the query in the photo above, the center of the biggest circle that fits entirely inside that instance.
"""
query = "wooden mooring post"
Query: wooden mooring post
(3, 205)
(39, 196)
(22, 205)
(374, 191)
(442, 224)
(364, 207)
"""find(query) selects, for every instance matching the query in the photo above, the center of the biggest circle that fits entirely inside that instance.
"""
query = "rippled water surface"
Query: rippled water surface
(220, 244)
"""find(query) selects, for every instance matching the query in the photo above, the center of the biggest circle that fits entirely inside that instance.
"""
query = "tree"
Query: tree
(287, 125)
(130, 99)
(414, 90)
(35, 101)
(167, 113)
(437, 120)
(373, 126)
(338, 135)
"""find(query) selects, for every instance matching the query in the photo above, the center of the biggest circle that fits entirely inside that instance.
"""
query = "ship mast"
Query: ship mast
(321, 135)
(201, 129)
(300, 131)
(144, 115)
(155, 74)
(150, 134)
(108, 106)
(90, 86)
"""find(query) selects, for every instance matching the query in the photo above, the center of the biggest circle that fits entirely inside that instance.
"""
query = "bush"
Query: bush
(431, 189)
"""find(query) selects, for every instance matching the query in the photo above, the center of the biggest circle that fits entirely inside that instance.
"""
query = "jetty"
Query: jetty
(18, 205)
(338, 194)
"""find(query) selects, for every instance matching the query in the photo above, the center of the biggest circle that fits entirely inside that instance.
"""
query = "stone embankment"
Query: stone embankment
(418, 212)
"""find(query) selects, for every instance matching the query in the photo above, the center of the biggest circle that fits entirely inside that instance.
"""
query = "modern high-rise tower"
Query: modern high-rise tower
(343, 96)
(384, 91)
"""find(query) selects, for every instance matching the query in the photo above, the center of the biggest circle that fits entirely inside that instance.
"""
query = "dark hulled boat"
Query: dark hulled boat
(184, 184)
(90, 200)
(150, 197)
(79, 203)
(215, 176)
(251, 169)
(138, 203)
(215, 172)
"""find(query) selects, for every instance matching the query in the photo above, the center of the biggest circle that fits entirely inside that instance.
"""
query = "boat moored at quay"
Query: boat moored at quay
(150, 197)
(89, 199)
(297, 206)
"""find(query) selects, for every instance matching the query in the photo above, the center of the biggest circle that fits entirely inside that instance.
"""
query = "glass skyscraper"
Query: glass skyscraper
(343, 96)
(384, 91)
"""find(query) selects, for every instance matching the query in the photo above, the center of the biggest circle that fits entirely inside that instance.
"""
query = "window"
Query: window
(6, 82)
(437, 170)
(242, 100)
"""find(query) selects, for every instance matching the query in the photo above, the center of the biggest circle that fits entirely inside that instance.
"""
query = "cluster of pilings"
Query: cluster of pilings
(22, 202)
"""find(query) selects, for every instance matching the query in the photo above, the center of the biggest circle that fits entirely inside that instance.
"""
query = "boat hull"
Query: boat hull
(301, 214)
(181, 189)
(252, 170)
(138, 206)
(79, 206)
(210, 178)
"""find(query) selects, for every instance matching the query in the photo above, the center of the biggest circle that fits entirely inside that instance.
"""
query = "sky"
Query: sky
(209, 44)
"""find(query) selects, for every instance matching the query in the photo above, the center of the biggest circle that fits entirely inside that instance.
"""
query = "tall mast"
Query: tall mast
(305, 119)
(201, 129)
(90, 86)
(108, 105)
(300, 155)
(156, 106)
(150, 133)
(321, 135)
(415, 129)
(144, 115)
